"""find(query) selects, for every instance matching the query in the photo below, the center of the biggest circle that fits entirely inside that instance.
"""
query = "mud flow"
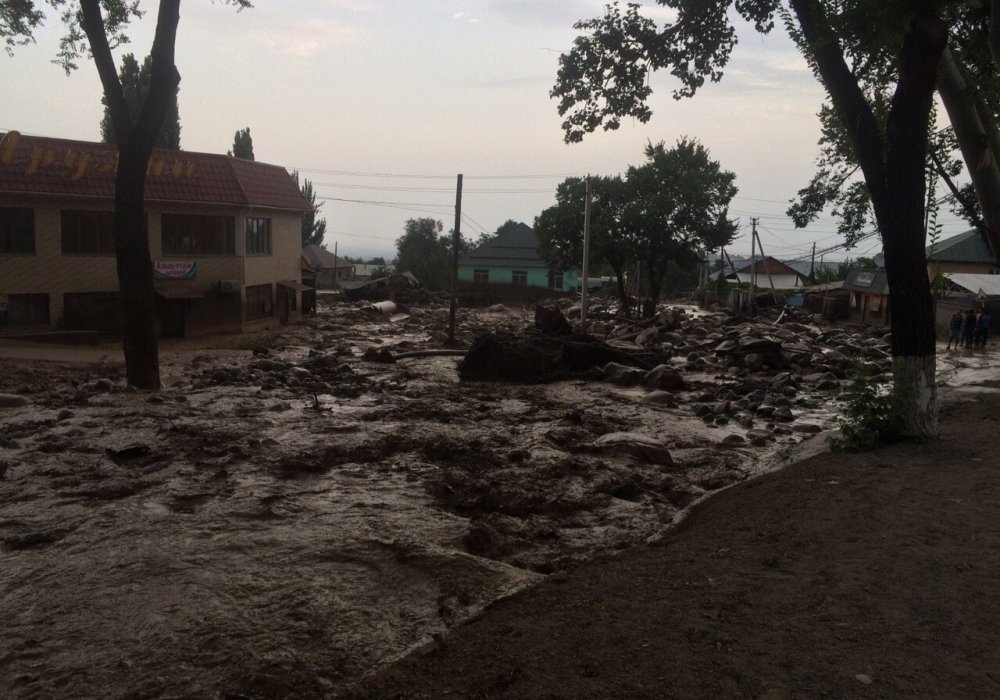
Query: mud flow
(293, 510)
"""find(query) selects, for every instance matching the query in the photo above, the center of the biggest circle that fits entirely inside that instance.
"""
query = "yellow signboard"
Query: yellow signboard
(74, 163)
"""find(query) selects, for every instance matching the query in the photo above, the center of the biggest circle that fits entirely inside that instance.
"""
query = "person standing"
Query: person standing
(983, 327)
(969, 329)
(955, 330)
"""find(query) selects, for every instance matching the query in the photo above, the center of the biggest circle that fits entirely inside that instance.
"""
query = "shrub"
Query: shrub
(872, 416)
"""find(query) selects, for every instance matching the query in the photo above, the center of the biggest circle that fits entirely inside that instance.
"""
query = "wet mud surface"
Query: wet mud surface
(286, 516)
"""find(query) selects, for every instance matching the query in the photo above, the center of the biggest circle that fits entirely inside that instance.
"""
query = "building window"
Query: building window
(17, 231)
(519, 278)
(92, 311)
(87, 233)
(195, 234)
(260, 301)
(24, 310)
(481, 276)
(555, 280)
(258, 237)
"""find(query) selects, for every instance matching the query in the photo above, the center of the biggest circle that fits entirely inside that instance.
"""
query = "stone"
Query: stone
(660, 398)
(732, 440)
(647, 337)
(753, 361)
(783, 413)
(637, 445)
(759, 436)
(664, 377)
(807, 428)
(13, 400)
(623, 375)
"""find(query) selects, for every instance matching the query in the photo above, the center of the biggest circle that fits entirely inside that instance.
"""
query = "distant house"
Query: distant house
(782, 275)
(512, 260)
(967, 252)
(869, 296)
(330, 270)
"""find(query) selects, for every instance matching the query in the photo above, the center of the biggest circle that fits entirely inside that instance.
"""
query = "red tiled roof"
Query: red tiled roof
(47, 166)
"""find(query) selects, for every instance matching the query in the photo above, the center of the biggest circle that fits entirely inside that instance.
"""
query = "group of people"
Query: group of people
(971, 329)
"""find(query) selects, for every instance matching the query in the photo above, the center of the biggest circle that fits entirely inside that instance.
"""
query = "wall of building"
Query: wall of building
(49, 271)
(537, 277)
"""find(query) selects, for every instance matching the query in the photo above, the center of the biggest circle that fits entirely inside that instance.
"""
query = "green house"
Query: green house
(512, 259)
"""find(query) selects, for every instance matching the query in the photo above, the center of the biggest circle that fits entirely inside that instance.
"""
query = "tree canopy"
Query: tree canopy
(135, 87)
(664, 213)
(242, 144)
(848, 43)
(425, 250)
(313, 229)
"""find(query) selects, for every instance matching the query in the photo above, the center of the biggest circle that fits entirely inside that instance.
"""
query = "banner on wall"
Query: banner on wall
(175, 269)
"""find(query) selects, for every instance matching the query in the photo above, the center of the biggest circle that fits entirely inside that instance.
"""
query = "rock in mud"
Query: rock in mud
(13, 400)
(623, 375)
(637, 445)
(665, 378)
(660, 398)
(732, 440)
(759, 436)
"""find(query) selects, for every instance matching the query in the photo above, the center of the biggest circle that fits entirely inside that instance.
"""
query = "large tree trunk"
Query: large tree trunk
(135, 273)
(893, 168)
(135, 145)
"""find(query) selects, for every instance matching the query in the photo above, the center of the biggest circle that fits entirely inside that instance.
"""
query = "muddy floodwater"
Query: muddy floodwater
(285, 516)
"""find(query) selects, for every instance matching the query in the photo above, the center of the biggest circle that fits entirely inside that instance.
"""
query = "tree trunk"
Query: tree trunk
(135, 271)
(974, 140)
(893, 168)
(619, 270)
(135, 145)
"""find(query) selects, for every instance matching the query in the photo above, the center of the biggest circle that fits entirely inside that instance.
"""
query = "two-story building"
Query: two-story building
(224, 239)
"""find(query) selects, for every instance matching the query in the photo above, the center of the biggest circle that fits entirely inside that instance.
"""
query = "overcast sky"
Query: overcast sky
(385, 102)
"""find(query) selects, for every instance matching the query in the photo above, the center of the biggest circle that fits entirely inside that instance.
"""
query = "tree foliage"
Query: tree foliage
(664, 213)
(134, 80)
(242, 144)
(425, 250)
(313, 229)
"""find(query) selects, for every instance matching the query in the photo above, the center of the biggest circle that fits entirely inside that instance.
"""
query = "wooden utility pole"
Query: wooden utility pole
(456, 240)
(753, 265)
(585, 290)
(763, 260)
(812, 265)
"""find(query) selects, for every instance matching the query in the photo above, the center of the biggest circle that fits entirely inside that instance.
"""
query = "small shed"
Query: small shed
(869, 296)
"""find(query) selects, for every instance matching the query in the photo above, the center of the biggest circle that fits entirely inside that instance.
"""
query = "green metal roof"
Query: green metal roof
(970, 246)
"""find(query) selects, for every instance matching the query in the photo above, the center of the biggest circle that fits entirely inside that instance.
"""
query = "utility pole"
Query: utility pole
(586, 260)
(455, 241)
(763, 261)
(753, 265)
(812, 264)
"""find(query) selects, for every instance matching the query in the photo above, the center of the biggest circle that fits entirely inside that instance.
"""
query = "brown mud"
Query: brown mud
(285, 517)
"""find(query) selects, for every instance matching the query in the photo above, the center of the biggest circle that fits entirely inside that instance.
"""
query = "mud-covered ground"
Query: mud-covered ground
(285, 516)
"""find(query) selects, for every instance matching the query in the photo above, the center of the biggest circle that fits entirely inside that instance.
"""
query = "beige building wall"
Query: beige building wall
(51, 272)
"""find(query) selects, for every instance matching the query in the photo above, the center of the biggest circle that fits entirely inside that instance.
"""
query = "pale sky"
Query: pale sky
(385, 102)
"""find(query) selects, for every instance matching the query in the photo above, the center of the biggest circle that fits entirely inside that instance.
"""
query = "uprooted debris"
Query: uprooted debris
(537, 357)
